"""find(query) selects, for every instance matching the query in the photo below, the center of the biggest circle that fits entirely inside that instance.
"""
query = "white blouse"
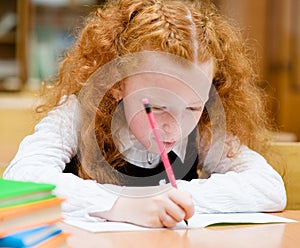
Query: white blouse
(245, 183)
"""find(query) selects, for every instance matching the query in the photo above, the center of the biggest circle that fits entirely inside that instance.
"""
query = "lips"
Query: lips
(169, 144)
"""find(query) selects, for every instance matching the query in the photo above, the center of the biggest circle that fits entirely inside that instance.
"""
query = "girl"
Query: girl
(195, 70)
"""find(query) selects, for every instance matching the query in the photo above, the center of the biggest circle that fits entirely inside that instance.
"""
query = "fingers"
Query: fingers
(167, 221)
(183, 200)
(174, 211)
(178, 206)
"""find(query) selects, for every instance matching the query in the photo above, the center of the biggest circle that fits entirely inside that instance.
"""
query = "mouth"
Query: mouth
(168, 144)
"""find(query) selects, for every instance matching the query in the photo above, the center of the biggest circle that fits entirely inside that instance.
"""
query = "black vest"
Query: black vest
(132, 175)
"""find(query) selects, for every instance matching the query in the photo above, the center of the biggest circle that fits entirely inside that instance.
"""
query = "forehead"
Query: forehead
(167, 85)
(158, 85)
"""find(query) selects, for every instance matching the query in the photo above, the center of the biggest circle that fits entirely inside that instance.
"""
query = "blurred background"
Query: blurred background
(35, 33)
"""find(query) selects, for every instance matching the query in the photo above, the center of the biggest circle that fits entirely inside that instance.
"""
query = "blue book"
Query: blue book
(29, 237)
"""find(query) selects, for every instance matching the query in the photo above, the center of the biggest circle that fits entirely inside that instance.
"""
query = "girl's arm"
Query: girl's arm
(43, 155)
(245, 183)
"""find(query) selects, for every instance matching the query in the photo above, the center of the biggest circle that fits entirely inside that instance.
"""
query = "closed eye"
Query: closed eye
(194, 108)
(158, 108)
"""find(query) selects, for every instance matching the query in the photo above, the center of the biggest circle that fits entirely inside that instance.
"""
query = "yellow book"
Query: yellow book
(28, 215)
(57, 241)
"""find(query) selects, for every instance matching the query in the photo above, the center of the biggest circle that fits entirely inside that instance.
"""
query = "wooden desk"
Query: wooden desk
(241, 236)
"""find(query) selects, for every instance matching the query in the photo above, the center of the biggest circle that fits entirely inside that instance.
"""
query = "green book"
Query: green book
(19, 192)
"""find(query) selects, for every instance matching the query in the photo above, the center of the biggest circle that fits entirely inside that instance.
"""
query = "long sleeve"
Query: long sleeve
(245, 183)
(43, 155)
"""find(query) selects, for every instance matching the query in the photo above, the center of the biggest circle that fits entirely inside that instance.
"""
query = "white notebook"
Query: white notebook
(197, 221)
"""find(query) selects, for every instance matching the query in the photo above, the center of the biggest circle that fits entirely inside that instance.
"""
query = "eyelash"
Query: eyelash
(163, 108)
(157, 108)
(194, 109)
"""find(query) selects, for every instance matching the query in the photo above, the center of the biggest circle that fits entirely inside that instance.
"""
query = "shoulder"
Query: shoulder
(67, 106)
(70, 101)
(65, 115)
(232, 155)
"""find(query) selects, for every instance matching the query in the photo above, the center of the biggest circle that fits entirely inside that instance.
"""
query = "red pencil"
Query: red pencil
(163, 153)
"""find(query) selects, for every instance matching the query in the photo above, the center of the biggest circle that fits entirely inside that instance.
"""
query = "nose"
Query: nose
(170, 127)
(166, 127)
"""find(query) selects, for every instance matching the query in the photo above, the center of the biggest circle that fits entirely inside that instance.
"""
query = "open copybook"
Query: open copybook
(197, 221)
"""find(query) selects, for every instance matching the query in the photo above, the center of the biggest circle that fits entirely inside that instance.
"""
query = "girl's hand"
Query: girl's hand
(161, 210)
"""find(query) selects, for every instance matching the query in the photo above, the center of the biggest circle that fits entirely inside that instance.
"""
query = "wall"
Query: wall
(17, 120)
(273, 28)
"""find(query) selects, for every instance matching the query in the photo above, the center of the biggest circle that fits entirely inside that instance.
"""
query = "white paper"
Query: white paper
(203, 220)
(197, 221)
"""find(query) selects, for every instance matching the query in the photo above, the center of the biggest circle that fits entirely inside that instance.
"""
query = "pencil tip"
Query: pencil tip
(186, 222)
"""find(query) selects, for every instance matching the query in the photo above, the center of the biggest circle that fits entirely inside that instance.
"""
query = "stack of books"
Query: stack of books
(29, 213)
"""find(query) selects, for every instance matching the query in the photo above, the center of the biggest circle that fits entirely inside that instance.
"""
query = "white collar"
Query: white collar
(135, 153)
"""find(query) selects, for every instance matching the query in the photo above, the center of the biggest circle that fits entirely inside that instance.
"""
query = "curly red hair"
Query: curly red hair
(174, 26)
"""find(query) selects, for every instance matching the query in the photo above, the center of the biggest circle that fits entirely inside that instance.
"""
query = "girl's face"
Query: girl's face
(177, 108)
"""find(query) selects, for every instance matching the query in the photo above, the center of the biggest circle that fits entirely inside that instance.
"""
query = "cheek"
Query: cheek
(197, 116)
(190, 121)
(140, 127)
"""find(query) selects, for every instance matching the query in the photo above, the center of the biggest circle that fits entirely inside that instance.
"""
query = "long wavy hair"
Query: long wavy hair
(124, 27)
